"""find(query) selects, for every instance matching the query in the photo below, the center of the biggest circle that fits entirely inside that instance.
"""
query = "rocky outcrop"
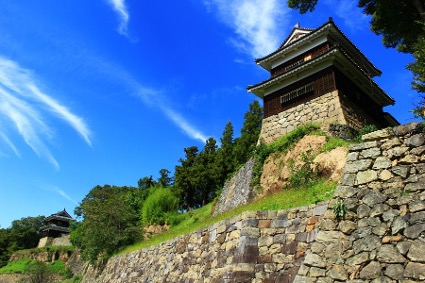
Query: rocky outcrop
(276, 169)
(46, 254)
(11, 278)
(276, 172)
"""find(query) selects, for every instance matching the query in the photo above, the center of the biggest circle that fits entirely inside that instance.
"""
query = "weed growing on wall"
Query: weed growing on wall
(339, 209)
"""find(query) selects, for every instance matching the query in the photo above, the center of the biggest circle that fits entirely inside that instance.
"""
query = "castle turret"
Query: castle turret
(319, 75)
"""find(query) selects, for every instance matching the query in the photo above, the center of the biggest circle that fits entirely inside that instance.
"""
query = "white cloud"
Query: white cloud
(120, 8)
(22, 105)
(256, 23)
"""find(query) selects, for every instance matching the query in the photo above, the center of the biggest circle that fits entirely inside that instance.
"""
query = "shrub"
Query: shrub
(39, 272)
(304, 175)
(160, 202)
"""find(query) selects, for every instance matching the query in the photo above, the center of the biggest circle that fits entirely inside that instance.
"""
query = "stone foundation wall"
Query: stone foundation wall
(344, 132)
(325, 109)
(50, 241)
(264, 246)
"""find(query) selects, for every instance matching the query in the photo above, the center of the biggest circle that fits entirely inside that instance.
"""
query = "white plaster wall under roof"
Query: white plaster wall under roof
(292, 53)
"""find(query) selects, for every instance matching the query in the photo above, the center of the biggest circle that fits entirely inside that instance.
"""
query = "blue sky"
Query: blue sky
(108, 91)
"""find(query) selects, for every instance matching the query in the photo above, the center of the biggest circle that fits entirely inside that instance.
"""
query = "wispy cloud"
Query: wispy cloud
(150, 96)
(120, 8)
(10, 144)
(23, 106)
(256, 23)
(184, 124)
(155, 98)
(65, 195)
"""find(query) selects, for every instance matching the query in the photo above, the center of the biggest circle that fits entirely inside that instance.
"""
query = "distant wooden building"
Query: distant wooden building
(319, 75)
(57, 225)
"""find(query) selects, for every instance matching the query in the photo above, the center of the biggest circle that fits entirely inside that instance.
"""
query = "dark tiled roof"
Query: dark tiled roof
(283, 46)
(64, 215)
(312, 33)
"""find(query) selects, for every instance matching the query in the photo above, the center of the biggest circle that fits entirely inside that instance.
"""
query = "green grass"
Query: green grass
(332, 143)
(285, 199)
(22, 265)
(17, 266)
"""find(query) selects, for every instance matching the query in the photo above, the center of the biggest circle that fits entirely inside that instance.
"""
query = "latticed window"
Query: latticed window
(297, 93)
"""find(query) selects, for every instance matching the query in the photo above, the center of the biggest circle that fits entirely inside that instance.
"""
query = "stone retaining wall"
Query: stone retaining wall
(237, 191)
(264, 246)
(382, 238)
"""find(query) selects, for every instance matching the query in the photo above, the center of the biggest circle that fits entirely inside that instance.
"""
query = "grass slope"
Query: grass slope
(199, 218)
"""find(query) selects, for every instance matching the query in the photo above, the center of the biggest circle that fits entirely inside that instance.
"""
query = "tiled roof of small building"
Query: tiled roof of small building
(64, 215)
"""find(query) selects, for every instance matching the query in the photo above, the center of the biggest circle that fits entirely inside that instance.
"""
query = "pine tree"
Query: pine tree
(185, 179)
(225, 154)
(250, 133)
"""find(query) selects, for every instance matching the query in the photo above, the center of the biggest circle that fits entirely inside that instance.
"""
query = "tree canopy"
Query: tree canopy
(23, 234)
(109, 222)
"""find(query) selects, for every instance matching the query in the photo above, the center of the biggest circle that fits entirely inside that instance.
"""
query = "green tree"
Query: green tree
(146, 183)
(5, 241)
(225, 154)
(207, 173)
(185, 180)
(108, 223)
(165, 180)
(25, 233)
(418, 69)
(250, 132)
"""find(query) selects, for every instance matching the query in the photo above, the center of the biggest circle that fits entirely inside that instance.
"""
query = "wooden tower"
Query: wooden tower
(57, 224)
